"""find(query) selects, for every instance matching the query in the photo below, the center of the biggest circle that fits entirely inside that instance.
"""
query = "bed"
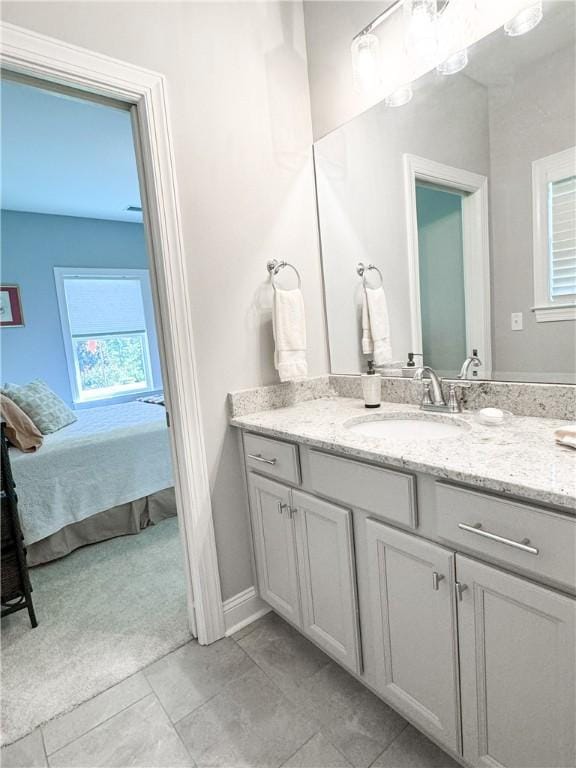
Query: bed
(106, 475)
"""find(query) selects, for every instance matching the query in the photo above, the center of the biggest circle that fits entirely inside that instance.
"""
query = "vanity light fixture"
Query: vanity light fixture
(366, 62)
(454, 63)
(400, 96)
(421, 17)
(455, 29)
(525, 21)
(421, 38)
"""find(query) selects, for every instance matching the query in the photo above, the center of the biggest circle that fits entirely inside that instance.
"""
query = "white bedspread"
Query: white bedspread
(111, 455)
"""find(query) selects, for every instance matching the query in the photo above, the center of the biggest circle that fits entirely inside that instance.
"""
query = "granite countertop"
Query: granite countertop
(519, 458)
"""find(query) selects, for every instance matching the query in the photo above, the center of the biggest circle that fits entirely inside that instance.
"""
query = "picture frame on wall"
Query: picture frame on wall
(11, 315)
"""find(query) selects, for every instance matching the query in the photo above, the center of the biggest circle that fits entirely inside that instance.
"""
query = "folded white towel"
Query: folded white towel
(289, 325)
(376, 326)
(566, 435)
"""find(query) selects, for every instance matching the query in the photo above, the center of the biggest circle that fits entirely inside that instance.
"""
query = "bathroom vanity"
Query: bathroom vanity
(441, 572)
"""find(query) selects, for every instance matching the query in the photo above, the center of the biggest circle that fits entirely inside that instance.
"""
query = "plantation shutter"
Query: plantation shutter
(562, 229)
(104, 305)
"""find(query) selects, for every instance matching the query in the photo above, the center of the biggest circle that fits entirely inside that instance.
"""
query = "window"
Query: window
(106, 316)
(554, 213)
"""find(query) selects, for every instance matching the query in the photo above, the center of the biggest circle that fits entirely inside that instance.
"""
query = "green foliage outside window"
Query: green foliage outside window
(111, 361)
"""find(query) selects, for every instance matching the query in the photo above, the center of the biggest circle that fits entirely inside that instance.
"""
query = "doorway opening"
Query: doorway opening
(60, 66)
(95, 483)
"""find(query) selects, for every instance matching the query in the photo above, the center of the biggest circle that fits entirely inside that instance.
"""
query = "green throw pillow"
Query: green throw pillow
(43, 406)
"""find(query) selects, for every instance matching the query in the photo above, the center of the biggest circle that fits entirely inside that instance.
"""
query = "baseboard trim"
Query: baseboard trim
(242, 609)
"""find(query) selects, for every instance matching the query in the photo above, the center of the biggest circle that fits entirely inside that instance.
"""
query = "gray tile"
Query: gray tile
(194, 673)
(358, 723)
(25, 753)
(327, 694)
(317, 753)
(251, 627)
(250, 723)
(139, 736)
(62, 730)
(413, 750)
(283, 653)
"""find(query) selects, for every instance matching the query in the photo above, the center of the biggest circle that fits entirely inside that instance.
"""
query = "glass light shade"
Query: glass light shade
(366, 62)
(456, 25)
(454, 63)
(399, 97)
(420, 19)
(524, 21)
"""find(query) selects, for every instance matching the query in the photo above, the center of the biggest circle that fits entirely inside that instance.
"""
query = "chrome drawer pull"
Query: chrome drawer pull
(524, 545)
(262, 459)
(436, 579)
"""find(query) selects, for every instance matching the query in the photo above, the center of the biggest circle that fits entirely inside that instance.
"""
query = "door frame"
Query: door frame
(44, 58)
(476, 250)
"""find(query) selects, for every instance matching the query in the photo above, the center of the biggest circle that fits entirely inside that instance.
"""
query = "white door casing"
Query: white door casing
(476, 250)
(34, 55)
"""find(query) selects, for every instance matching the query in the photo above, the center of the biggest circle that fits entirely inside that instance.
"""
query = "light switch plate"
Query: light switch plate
(516, 321)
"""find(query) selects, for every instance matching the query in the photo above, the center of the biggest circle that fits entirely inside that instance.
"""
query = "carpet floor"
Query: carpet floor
(104, 612)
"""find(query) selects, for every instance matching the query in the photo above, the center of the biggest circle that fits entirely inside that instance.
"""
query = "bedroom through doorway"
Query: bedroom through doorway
(83, 401)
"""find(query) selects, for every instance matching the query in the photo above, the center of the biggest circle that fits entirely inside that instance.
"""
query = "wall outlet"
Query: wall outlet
(516, 321)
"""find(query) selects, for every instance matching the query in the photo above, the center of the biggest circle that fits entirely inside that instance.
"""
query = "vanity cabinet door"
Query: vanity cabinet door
(275, 546)
(328, 577)
(518, 659)
(412, 594)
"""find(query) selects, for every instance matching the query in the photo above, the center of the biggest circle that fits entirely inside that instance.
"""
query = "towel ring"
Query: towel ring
(362, 268)
(274, 266)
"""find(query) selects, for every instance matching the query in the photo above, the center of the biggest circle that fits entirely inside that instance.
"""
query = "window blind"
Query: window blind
(104, 305)
(562, 212)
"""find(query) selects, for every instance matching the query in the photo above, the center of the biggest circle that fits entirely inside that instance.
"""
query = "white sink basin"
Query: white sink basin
(411, 427)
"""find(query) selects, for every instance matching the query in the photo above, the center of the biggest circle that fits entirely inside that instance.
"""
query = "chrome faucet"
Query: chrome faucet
(433, 397)
(473, 361)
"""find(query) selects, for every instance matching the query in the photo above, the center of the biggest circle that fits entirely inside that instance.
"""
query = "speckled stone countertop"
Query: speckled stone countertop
(519, 458)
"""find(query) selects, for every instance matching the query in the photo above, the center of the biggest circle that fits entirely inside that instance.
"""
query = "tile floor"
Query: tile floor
(265, 697)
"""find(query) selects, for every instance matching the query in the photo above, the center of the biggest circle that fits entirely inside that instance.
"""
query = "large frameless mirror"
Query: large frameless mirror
(461, 205)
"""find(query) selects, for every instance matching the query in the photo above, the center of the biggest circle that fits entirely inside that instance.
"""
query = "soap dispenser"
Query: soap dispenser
(409, 369)
(371, 387)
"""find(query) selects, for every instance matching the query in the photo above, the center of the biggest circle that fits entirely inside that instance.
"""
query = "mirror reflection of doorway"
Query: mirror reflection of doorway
(441, 276)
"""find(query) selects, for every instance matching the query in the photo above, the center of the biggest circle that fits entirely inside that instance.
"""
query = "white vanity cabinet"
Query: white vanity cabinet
(414, 628)
(466, 627)
(305, 562)
(518, 659)
(275, 547)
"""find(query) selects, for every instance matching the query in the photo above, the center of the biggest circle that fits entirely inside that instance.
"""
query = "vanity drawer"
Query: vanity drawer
(383, 492)
(532, 539)
(272, 457)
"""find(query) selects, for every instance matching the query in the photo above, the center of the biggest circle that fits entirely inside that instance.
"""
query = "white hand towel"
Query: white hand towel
(289, 325)
(376, 326)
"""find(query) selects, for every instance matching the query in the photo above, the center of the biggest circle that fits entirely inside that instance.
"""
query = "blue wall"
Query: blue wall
(32, 245)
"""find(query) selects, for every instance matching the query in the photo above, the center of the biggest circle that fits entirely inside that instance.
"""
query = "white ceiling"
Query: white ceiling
(67, 156)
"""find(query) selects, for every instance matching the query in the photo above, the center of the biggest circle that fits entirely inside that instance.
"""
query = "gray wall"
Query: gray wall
(529, 119)
(237, 82)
